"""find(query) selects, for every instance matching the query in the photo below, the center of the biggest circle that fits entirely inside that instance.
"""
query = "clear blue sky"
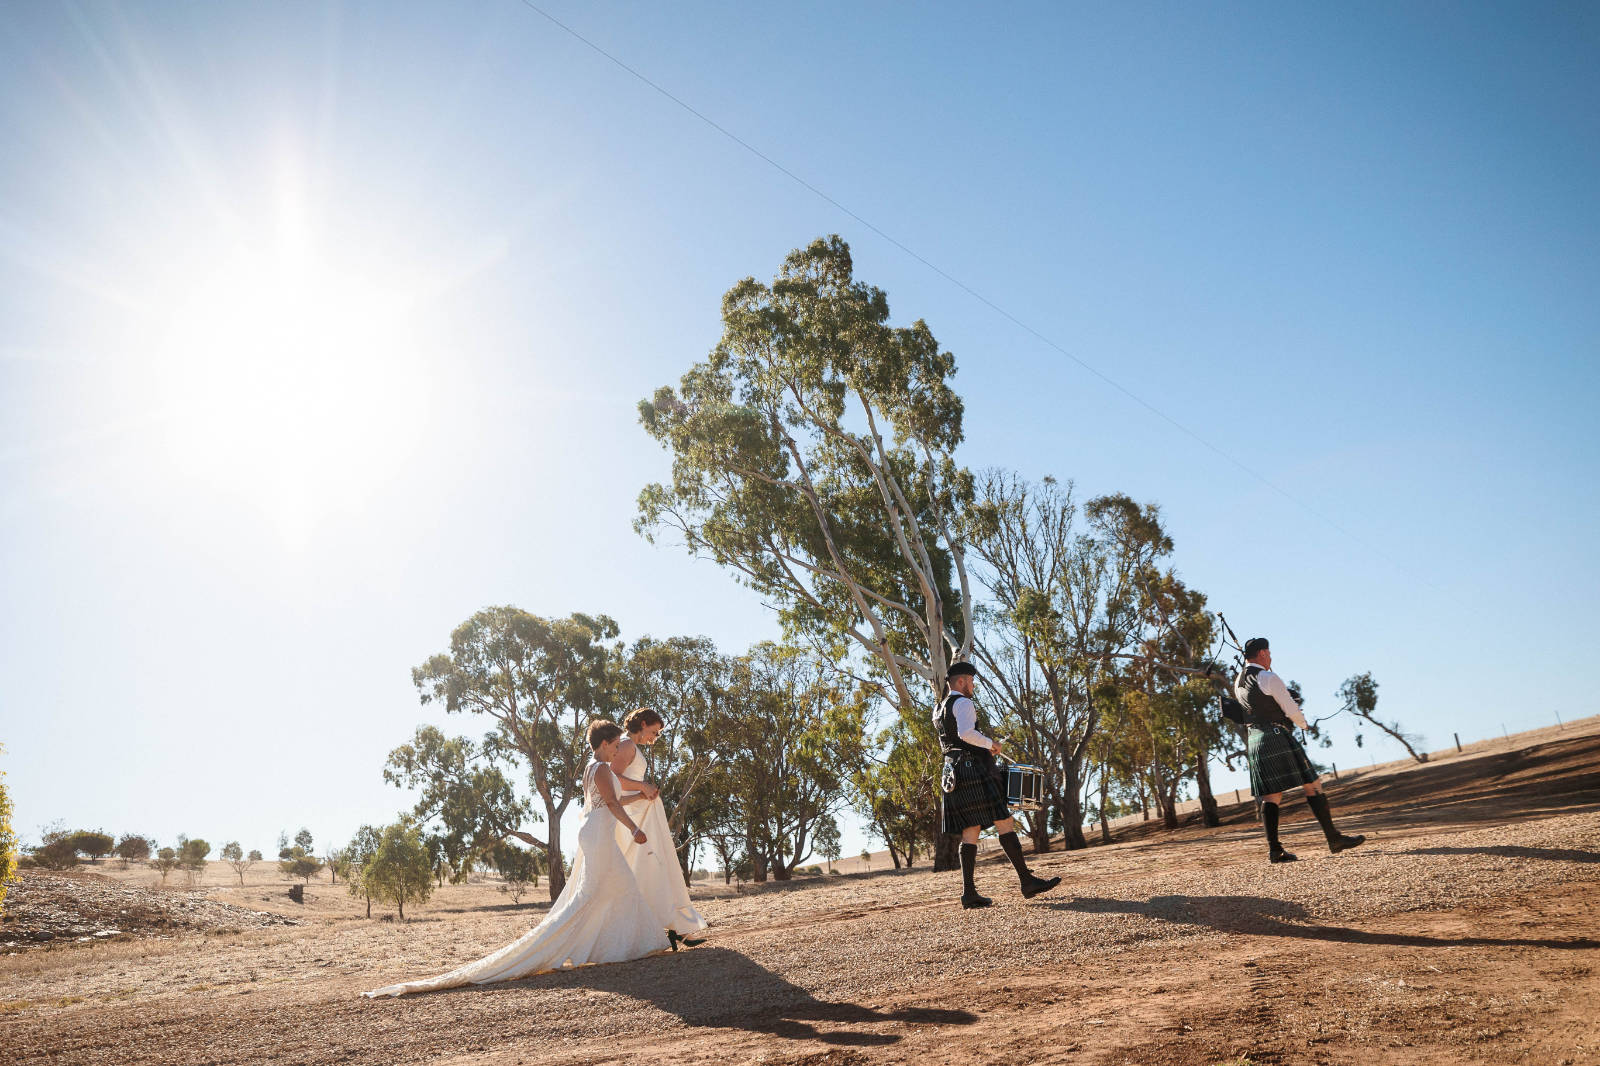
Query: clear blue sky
(322, 327)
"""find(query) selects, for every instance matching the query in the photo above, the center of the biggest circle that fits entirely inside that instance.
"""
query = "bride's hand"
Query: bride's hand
(639, 837)
(648, 791)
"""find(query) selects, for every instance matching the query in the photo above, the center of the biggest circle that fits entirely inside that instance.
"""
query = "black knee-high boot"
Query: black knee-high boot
(1337, 841)
(1269, 820)
(1013, 850)
(1031, 885)
(969, 864)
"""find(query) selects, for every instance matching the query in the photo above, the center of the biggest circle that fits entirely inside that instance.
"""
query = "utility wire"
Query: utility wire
(976, 295)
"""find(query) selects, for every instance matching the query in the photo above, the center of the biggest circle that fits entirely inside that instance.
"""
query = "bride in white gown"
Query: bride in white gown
(600, 915)
(655, 863)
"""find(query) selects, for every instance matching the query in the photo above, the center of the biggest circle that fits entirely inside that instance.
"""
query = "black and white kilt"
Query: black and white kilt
(980, 802)
(1277, 761)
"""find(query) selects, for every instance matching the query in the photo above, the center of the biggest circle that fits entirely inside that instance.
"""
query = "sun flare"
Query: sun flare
(291, 379)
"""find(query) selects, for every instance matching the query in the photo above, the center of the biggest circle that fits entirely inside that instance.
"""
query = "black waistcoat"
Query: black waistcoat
(944, 723)
(1264, 710)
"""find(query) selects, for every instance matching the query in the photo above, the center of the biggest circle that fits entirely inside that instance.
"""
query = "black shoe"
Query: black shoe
(1344, 843)
(1035, 885)
(677, 939)
(1279, 855)
(972, 901)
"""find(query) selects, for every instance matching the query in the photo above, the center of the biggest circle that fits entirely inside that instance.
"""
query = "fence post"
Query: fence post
(1336, 771)
(1503, 731)
(1236, 795)
(1458, 742)
(1559, 723)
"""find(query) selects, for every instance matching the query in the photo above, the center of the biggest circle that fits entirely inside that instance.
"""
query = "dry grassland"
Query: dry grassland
(1463, 932)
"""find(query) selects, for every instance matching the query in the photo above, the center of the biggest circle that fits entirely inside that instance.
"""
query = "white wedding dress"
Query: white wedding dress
(655, 864)
(599, 916)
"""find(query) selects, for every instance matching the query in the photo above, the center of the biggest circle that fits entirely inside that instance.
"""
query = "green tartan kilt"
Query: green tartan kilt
(980, 802)
(1277, 761)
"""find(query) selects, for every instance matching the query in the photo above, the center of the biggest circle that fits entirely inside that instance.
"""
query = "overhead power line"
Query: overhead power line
(975, 294)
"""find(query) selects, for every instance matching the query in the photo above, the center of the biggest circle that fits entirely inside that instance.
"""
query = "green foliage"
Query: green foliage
(398, 871)
(462, 789)
(8, 840)
(540, 681)
(812, 453)
(94, 843)
(133, 847)
(192, 853)
(827, 839)
(300, 865)
(686, 679)
(1359, 698)
(234, 856)
(165, 862)
(297, 860)
(362, 847)
(790, 734)
(519, 867)
(56, 850)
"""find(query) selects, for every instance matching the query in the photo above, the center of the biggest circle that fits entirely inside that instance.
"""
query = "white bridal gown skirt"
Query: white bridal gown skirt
(654, 864)
(600, 916)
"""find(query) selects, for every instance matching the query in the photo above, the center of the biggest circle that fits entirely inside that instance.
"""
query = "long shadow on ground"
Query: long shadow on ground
(1265, 916)
(713, 986)
(1550, 778)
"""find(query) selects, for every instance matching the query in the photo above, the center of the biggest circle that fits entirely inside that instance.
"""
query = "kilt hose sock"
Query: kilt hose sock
(1013, 848)
(969, 863)
(1269, 820)
(1319, 807)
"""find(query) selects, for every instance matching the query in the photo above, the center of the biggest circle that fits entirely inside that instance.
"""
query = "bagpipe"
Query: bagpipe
(1232, 710)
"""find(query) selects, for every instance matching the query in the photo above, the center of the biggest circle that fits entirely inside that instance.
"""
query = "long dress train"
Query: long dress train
(655, 864)
(600, 915)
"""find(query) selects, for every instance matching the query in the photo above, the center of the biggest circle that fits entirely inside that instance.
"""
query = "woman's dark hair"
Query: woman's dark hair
(601, 731)
(638, 719)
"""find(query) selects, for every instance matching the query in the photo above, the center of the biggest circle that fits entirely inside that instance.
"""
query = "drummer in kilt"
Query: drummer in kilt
(1277, 761)
(974, 799)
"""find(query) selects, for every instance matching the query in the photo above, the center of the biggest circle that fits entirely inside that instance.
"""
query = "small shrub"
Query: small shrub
(8, 842)
(57, 849)
(400, 871)
(134, 848)
(165, 862)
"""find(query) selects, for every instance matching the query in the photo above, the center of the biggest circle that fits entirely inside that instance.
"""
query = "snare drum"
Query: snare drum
(1024, 787)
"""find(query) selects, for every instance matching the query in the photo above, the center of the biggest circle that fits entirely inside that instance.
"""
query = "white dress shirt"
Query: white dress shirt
(1272, 685)
(967, 724)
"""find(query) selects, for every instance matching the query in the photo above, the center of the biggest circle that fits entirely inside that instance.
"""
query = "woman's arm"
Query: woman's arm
(606, 784)
(625, 752)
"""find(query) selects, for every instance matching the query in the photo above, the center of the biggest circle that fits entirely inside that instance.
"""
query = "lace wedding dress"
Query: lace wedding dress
(599, 917)
(655, 864)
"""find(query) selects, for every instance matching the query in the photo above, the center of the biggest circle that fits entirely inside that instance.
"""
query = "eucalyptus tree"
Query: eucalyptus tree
(462, 790)
(540, 681)
(1024, 537)
(685, 681)
(813, 453)
(1066, 615)
(1359, 698)
(895, 791)
(357, 854)
(791, 732)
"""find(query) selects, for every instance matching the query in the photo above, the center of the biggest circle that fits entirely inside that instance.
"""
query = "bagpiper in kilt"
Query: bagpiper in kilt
(972, 798)
(1277, 760)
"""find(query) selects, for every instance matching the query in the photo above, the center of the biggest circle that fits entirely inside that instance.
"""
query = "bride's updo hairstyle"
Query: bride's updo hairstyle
(601, 731)
(637, 720)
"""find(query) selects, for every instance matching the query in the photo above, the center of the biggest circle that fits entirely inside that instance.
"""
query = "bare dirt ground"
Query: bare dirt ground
(1464, 931)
